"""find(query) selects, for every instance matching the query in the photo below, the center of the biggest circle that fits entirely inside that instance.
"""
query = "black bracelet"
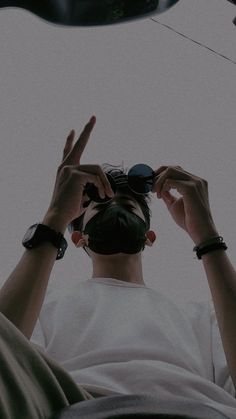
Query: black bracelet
(210, 245)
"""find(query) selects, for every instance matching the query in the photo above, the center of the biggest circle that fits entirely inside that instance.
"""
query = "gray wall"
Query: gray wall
(159, 98)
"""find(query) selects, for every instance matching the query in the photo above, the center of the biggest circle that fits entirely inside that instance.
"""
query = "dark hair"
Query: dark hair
(142, 199)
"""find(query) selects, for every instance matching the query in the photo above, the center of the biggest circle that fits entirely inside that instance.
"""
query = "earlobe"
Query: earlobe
(79, 239)
(76, 236)
(151, 237)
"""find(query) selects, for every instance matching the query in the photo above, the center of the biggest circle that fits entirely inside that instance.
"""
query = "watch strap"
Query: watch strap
(57, 239)
(44, 233)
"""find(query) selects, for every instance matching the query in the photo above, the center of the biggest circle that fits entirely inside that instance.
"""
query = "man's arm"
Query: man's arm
(221, 278)
(23, 293)
(192, 213)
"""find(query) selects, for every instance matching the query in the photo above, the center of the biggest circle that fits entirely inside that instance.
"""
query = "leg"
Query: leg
(32, 384)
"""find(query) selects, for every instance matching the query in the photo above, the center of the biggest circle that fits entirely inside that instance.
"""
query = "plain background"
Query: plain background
(160, 98)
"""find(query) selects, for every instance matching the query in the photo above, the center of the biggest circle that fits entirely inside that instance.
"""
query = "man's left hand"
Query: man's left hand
(191, 211)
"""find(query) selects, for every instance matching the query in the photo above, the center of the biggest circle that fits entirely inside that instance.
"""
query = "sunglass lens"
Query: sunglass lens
(140, 178)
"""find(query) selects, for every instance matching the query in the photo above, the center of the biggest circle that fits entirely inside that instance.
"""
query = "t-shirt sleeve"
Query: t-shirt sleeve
(221, 371)
(37, 338)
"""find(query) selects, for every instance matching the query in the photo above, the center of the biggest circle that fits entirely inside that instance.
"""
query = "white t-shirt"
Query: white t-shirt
(115, 337)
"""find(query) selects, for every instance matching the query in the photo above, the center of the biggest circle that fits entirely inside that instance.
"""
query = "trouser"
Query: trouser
(32, 385)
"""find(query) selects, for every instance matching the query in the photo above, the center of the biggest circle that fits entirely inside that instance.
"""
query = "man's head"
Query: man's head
(125, 198)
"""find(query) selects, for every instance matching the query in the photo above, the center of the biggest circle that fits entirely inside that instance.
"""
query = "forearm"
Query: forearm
(23, 293)
(221, 278)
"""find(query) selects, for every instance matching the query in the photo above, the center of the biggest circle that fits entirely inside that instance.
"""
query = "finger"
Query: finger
(96, 180)
(158, 179)
(168, 198)
(183, 187)
(103, 183)
(160, 169)
(169, 173)
(77, 151)
(68, 146)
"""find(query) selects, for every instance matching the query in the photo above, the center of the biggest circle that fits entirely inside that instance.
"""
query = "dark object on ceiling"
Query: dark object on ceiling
(91, 12)
(234, 2)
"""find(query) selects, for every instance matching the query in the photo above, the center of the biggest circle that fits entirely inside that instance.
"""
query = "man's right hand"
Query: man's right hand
(67, 199)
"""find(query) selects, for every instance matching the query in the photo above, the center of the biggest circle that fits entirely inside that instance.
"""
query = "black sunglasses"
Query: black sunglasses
(140, 179)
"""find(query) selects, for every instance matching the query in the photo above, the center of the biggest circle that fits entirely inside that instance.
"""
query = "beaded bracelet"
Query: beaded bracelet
(210, 245)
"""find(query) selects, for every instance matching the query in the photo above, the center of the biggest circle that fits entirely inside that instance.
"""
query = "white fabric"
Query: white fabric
(115, 337)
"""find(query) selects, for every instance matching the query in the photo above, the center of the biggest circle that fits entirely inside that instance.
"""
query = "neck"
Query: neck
(121, 266)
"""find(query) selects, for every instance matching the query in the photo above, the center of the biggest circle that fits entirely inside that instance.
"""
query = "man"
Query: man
(117, 254)
(111, 334)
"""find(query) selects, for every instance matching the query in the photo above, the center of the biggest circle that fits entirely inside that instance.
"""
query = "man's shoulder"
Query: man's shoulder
(56, 293)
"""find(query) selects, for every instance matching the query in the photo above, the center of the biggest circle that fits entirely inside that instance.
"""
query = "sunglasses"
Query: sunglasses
(140, 179)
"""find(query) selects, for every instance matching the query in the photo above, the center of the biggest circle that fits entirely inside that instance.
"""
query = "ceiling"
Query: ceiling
(163, 92)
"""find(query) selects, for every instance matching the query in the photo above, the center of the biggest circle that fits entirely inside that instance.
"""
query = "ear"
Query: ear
(76, 236)
(79, 239)
(151, 237)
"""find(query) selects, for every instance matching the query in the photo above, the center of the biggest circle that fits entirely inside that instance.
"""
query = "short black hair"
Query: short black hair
(121, 173)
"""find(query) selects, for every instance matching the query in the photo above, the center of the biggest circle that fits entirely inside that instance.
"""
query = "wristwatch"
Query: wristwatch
(40, 233)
